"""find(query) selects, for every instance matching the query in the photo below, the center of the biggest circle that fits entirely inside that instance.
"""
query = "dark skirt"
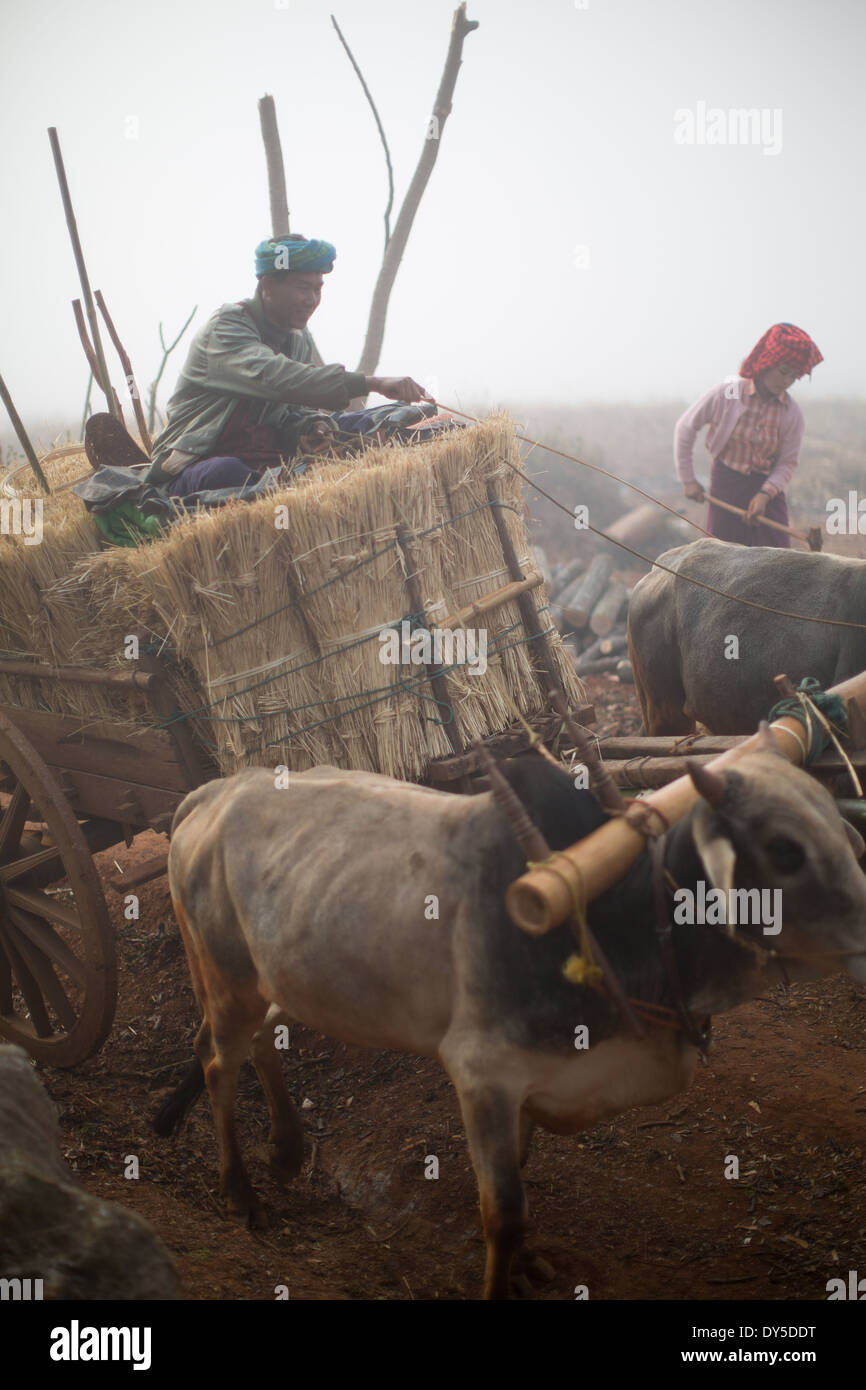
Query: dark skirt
(739, 489)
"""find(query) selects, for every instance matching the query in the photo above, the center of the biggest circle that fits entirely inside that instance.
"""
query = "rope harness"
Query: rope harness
(824, 719)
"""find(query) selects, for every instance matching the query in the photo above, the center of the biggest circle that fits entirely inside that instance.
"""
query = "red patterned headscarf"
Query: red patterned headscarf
(784, 342)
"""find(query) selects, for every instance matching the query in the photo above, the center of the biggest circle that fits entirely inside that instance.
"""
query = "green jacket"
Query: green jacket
(241, 354)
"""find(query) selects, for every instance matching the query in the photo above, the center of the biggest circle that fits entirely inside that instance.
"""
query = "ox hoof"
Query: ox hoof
(245, 1209)
(285, 1165)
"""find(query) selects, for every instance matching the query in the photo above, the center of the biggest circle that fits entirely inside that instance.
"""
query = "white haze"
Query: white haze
(561, 137)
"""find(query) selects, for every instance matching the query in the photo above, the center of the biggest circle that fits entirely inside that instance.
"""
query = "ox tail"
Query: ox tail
(168, 1117)
(640, 680)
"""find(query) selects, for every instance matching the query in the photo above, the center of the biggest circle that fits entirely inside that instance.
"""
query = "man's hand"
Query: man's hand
(398, 388)
(318, 438)
(757, 507)
(694, 491)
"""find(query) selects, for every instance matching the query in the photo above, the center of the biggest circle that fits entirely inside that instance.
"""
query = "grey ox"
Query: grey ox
(307, 903)
(679, 633)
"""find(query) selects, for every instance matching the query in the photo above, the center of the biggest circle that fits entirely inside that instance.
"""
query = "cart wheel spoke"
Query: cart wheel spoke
(41, 905)
(42, 973)
(50, 944)
(19, 867)
(12, 824)
(5, 979)
(58, 978)
(26, 983)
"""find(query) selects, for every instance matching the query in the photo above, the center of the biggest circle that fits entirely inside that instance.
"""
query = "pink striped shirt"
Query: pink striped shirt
(746, 432)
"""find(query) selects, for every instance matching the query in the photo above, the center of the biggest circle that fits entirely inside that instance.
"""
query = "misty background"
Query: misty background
(571, 260)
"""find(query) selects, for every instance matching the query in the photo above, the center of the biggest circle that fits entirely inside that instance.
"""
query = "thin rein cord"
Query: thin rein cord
(621, 545)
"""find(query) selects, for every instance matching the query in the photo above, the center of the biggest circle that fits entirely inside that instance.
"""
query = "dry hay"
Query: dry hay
(271, 610)
(46, 612)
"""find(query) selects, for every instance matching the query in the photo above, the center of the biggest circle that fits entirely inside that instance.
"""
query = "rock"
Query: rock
(51, 1229)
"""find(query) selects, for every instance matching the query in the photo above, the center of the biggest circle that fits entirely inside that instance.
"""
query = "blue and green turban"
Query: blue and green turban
(294, 253)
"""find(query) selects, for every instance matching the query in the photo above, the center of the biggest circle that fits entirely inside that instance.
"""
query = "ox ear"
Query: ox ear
(712, 786)
(855, 839)
(716, 851)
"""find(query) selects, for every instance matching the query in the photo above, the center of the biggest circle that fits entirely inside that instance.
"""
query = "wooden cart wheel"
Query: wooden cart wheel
(58, 975)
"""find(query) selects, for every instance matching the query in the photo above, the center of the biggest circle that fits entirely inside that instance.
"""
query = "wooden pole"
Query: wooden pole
(23, 437)
(807, 540)
(542, 899)
(82, 274)
(435, 673)
(538, 644)
(277, 183)
(78, 675)
(275, 166)
(86, 410)
(90, 354)
(131, 383)
(488, 603)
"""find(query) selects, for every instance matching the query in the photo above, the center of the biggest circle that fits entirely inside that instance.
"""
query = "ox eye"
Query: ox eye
(786, 855)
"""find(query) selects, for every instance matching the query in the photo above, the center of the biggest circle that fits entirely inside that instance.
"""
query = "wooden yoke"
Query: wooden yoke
(543, 898)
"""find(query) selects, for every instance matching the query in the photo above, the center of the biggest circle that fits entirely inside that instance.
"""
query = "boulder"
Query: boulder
(51, 1229)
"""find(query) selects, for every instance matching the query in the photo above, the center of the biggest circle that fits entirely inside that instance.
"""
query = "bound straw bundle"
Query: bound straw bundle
(272, 610)
(46, 613)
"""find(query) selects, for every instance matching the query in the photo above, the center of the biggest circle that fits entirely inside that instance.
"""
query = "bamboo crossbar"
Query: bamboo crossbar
(542, 898)
(489, 602)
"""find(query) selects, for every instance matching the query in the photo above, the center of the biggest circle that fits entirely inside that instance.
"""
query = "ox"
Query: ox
(679, 633)
(307, 903)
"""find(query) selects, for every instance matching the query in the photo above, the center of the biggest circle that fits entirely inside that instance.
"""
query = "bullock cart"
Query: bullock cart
(79, 775)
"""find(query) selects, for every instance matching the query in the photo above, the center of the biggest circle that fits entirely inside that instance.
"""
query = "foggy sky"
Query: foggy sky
(567, 248)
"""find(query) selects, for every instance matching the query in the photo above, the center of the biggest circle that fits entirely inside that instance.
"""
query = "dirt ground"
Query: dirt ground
(637, 1209)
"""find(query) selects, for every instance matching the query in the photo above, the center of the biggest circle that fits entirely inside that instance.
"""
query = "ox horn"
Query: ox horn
(712, 786)
(600, 779)
(526, 832)
(766, 740)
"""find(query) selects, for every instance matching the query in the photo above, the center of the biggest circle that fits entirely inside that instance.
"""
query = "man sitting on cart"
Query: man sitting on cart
(249, 396)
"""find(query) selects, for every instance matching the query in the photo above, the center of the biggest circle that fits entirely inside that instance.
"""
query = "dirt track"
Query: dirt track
(638, 1209)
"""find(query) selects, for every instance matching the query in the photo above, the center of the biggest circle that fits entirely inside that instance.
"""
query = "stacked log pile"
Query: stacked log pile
(589, 605)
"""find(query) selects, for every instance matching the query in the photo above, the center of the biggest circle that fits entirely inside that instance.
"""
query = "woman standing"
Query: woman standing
(755, 432)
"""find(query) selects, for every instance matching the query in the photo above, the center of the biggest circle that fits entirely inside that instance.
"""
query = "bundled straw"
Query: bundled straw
(271, 611)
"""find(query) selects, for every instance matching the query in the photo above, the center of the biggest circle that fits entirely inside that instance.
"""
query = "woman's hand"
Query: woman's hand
(693, 491)
(757, 507)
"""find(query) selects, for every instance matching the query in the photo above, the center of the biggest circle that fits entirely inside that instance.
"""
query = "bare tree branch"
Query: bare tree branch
(460, 27)
(166, 353)
(369, 97)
